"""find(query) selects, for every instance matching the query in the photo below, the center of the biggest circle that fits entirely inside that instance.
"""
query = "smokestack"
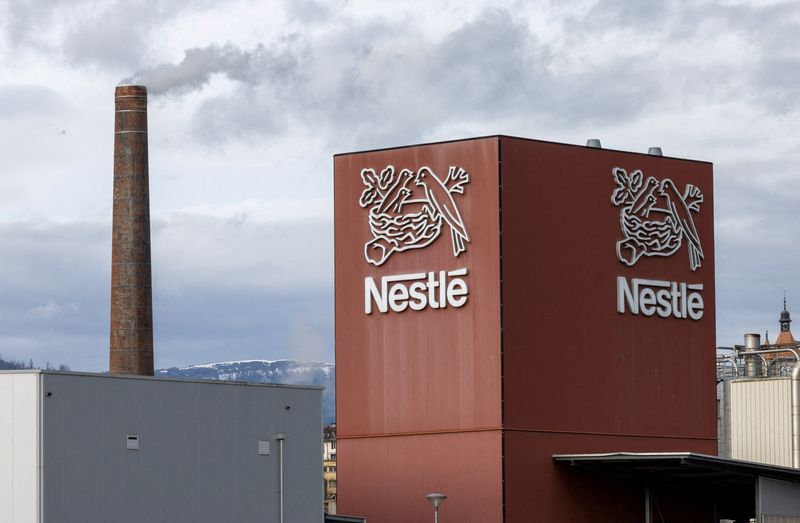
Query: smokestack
(131, 348)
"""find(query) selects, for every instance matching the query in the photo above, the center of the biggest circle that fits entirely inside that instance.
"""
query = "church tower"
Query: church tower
(785, 335)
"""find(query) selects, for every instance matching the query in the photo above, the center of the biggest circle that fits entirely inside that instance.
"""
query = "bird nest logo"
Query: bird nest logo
(407, 210)
(655, 217)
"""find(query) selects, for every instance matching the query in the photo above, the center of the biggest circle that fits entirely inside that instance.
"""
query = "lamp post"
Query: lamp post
(281, 437)
(436, 500)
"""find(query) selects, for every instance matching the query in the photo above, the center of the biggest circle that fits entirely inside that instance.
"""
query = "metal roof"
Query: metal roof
(679, 469)
(161, 378)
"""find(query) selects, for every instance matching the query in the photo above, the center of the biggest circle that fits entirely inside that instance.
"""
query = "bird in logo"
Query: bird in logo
(682, 217)
(442, 202)
(397, 194)
(645, 200)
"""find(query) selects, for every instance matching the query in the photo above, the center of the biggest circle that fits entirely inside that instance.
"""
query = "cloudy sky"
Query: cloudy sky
(250, 100)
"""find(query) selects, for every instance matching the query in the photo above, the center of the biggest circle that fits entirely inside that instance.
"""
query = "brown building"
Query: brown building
(329, 468)
(455, 263)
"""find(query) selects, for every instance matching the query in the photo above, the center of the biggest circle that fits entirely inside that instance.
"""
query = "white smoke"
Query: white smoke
(261, 64)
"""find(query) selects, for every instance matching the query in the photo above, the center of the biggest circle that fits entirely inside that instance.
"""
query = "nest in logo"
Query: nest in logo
(408, 209)
(655, 217)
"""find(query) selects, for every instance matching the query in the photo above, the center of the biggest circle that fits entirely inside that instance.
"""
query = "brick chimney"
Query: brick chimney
(131, 348)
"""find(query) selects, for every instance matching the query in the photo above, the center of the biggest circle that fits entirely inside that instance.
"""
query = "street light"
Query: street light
(436, 500)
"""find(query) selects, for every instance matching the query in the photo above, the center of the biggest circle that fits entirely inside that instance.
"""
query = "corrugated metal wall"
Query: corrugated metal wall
(761, 420)
(780, 519)
(19, 447)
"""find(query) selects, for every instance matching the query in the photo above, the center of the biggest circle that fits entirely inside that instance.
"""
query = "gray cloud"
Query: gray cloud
(215, 324)
(24, 21)
(311, 11)
(381, 80)
(707, 79)
(762, 68)
(114, 34)
(54, 291)
(32, 101)
(232, 286)
(240, 286)
(387, 82)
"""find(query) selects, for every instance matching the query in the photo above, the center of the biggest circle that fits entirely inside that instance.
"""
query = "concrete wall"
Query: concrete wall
(197, 460)
(19, 449)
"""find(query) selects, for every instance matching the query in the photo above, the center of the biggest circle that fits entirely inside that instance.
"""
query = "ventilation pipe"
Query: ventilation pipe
(752, 343)
(796, 414)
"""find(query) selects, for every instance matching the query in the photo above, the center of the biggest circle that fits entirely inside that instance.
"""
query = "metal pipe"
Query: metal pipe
(796, 414)
(752, 342)
(764, 365)
(280, 436)
(729, 359)
(722, 360)
(794, 350)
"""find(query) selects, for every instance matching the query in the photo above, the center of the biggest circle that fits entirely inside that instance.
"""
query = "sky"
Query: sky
(250, 100)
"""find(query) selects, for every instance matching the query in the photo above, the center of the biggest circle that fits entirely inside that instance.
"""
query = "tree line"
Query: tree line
(17, 364)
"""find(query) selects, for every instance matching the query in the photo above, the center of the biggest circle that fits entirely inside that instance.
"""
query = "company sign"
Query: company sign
(416, 291)
(410, 210)
(656, 220)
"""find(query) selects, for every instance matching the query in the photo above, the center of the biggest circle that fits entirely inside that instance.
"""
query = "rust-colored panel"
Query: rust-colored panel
(386, 479)
(572, 362)
(538, 489)
(427, 370)
(577, 375)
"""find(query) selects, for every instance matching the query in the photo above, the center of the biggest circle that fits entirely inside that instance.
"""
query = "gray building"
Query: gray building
(78, 447)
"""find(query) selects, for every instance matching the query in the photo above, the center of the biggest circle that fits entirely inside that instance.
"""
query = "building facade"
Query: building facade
(329, 467)
(77, 447)
(455, 263)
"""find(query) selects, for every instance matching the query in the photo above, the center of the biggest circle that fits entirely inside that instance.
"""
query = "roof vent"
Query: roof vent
(655, 151)
(594, 143)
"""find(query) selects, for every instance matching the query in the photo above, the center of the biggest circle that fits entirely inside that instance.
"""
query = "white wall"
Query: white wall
(761, 420)
(19, 414)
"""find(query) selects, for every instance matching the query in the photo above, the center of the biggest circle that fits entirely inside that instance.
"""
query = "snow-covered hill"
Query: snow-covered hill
(264, 371)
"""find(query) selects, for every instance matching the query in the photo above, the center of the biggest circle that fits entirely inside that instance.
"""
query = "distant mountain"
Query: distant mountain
(289, 372)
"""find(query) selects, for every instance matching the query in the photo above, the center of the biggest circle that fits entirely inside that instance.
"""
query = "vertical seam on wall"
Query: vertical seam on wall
(502, 353)
(40, 450)
(335, 352)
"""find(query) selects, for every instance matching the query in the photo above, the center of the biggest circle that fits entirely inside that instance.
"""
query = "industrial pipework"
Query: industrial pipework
(131, 344)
